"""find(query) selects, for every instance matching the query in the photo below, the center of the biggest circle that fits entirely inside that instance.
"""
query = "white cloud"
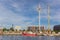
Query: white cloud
(7, 16)
(55, 2)
(56, 17)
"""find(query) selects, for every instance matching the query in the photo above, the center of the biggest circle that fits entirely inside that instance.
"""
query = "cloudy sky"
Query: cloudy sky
(24, 13)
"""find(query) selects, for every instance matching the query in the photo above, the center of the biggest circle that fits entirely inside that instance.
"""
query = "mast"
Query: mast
(39, 10)
(48, 17)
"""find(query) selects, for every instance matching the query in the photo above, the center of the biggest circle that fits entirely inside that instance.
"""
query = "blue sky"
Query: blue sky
(23, 12)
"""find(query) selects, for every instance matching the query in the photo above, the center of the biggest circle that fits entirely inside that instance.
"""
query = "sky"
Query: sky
(24, 13)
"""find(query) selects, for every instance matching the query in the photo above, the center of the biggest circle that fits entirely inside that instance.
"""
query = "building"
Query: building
(35, 28)
(1, 30)
(17, 28)
(31, 28)
(56, 28)
(42, 28)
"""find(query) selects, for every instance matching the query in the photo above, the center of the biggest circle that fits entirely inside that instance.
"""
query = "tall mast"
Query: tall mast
(39, 10)
(48, 17)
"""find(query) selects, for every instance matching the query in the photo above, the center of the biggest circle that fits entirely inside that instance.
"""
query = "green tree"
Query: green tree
(57, 31)
(4, 29)
(12, 29)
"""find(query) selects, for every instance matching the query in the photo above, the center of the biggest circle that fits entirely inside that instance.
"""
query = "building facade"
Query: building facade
(42, 28)
(56, 28)
(1, 30)
(35, 28)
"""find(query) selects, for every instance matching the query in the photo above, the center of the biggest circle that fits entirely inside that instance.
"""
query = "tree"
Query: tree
(12, 29)
(4, 29)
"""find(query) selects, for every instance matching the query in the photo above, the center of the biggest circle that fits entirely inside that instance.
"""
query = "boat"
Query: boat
(29, 34)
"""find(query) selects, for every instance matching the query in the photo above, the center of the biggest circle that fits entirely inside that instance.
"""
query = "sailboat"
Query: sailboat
(31, 33)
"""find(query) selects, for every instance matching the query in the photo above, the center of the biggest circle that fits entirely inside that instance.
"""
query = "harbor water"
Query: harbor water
(18, 37)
